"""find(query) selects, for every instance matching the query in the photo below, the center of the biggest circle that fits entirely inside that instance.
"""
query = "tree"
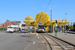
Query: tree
(67, 27)
(74, 26)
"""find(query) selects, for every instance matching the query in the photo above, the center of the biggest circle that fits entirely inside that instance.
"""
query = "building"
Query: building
(9, 23)
(19, 23)
(1, 25)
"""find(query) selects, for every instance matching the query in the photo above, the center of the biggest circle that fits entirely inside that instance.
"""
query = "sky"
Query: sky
(17, 10)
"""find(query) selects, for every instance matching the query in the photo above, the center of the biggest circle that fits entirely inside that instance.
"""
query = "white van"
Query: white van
(12, 28)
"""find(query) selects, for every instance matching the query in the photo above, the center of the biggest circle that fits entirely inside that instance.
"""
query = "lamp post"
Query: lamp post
(65, 23)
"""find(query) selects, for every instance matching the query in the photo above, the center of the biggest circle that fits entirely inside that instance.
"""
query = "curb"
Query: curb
(71, 32)
(63, 40)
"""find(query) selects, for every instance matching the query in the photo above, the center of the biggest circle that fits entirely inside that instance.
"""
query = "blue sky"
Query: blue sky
(17, 10)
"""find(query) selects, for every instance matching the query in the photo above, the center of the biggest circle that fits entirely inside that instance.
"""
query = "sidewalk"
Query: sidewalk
(68, 37)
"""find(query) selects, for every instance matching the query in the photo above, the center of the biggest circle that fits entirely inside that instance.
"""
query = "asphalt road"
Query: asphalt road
(12, 41)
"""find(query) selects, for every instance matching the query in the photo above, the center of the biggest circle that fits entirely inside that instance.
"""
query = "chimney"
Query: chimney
(7, 20)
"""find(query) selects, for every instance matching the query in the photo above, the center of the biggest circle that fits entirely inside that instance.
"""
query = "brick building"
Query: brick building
(8, 23)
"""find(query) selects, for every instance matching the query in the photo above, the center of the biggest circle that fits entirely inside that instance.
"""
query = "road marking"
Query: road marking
(37, 34)
(34, 42)
(22, 34)
(38, 37)
(28, 45)
(43, 41)
(38, 42)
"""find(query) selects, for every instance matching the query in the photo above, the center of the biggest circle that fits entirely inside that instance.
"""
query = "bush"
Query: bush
(70, 27)
(74, 26)
(3, 29)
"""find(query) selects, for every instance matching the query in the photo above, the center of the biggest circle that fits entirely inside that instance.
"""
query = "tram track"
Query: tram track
(56, 44)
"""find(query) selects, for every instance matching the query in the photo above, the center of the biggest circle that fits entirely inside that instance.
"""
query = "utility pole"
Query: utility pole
(65, 23)
(51, 21)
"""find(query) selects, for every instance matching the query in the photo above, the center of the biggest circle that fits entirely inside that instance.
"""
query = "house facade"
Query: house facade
(9, 23)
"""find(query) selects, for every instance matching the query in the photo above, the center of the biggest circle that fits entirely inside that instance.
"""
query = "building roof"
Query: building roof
(18, 21)
(1, 24)
(12, 23)
(15, 22)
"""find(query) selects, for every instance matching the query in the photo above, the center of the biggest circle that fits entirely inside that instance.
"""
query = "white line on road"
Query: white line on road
(37, 34)
(43, 41)
(38, 37)
(28, 45)
(34, 42)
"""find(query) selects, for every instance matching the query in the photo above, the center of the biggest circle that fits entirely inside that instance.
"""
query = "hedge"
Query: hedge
(3, 29)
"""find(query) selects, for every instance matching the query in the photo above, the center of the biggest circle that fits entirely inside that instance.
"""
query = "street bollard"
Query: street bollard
(55, 33)
(30, 32)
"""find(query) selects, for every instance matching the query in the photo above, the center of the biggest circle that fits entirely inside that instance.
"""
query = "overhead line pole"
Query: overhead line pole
(51, 21)
(65, 23)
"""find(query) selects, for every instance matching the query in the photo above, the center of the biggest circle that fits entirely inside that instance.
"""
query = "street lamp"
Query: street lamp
(65, 23)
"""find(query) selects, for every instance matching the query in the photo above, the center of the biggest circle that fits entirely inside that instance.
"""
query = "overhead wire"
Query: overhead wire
(48, 5)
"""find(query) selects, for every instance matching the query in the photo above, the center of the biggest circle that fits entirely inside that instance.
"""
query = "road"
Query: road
(24, 41)
(13, 41)
(21, 41)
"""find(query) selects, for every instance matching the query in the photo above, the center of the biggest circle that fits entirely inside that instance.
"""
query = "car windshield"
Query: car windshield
(10, 27)
(41, 27)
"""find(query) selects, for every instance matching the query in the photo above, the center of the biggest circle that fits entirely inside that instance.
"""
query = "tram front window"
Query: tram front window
(41, 27)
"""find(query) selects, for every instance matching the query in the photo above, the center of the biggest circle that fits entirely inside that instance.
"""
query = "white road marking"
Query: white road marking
(22, 34)
(38, 42)
(38, 37)
(28, 45)
(34, 42)
(43, 41)
(37, 34)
